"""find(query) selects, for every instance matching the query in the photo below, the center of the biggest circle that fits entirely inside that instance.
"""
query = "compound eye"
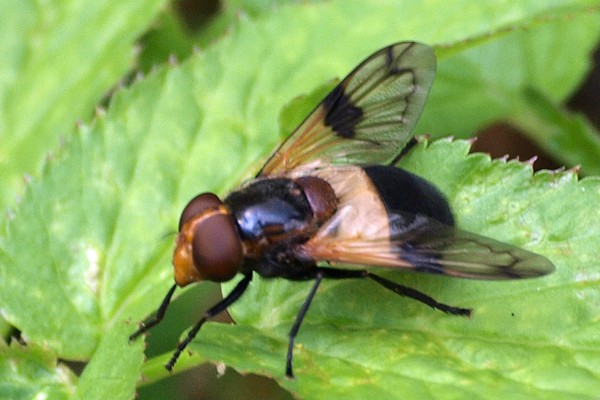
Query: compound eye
(197, 205)
(208, 246)
(217, 248)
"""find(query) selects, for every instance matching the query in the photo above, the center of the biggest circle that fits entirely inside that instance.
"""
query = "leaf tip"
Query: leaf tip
(100, 112)
(531, 161)
(139, 76)
(221, 369)
(575, 169)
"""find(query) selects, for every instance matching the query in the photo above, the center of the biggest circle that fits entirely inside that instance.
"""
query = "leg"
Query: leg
(419, 296)
(231, 298)
(296, 327)
(333, 273)
(402, 290)
(160, 313)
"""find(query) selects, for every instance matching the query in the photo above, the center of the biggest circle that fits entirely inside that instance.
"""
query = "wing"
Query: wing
(367, 118)
(423, 244)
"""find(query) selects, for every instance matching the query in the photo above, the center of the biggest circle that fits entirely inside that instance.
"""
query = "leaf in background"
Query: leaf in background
(59, 59)
(167, 38)
(33, 373)
(188, 25)
(568, 136)
(89, 244)
(494, 80)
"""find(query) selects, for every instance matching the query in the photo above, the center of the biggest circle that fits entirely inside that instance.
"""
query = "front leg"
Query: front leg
(221, 306)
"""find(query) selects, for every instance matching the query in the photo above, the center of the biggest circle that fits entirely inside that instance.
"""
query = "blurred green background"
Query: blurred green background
(173, 32)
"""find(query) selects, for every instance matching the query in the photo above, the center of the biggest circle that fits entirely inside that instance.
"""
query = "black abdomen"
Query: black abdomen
(404, 192)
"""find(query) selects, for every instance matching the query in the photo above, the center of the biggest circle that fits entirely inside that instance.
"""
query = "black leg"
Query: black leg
(419, 296)
(231, 298)
(296, 327)
(333, 273)
(160, 313)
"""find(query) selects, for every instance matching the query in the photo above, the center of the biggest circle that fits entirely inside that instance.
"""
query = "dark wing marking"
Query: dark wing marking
(425, 245)
(367, 118)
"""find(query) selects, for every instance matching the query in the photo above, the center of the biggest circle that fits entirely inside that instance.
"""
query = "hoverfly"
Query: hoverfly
(330, 195)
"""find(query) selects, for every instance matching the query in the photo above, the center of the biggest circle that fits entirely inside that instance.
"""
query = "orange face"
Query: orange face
(185, 271)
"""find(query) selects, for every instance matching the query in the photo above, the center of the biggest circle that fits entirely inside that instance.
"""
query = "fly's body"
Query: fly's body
(330, 202)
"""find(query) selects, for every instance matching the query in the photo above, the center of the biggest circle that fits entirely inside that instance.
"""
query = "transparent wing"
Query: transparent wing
(425, 245)
(367, 118)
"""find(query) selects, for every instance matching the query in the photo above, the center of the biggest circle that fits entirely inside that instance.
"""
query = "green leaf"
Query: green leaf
(59, 59)
(90, 247)
(494, 80)
(33, 373)
(569, 137)
(232, 12)
(171, 36)
(115, 367)
(167, 38)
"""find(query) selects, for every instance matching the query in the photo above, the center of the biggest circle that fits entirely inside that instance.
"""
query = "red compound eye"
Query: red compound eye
(208, 244)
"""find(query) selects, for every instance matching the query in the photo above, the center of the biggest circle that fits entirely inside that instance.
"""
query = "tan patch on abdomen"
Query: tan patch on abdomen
(361, 214)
